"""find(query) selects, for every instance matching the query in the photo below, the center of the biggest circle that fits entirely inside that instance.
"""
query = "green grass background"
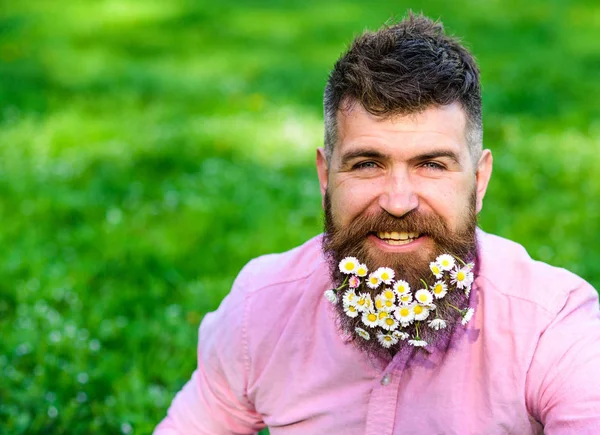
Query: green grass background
(148, 149)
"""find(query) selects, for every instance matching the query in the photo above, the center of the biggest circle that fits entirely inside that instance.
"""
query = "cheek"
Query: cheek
(349, 200)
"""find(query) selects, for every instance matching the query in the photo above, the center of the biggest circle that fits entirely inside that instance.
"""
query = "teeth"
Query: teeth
(396, 236)
(398, 242)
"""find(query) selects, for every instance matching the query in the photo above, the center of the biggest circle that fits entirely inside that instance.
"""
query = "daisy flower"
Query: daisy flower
(385, 274)
(383, 304)
(439, 289)
(404, 314)
(470, 265)
(350, 310)
(362, 270)
(388, 294)
(436, 269)
(461, 277)
(382, 315)
(388, 323)
(370, 319)
(420, 312)
(424, 297)
(349, 265)
(445, 262)
(417, 343)
(331, 296)
(354, 282)
(350, 297)
(364, 302)
(468, 290)
(406, 298)
(437, 324)
(400, 335)
(373, 281)
(361, 332)
(386, 340)
(401, 287)
(467, 316)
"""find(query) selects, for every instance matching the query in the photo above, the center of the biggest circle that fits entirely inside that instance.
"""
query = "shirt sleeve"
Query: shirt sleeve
(214, 401)
(563, 382)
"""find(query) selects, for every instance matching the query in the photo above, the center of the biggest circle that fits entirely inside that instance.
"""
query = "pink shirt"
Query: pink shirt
(528, 362)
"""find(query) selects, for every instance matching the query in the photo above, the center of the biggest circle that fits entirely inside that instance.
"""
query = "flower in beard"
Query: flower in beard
(350, 297)
(383, 304)
(388, 294)
(386, 340)
(350, 310)
(362, 270)
(461, 277)
(439, 289)
(370, 319)
(445, 262)
(421, 312)
(467, 316)
(362, 333)
(417, 343)
(353, 282)
(437, 324)
(331, 296)
(406, 299)
(436, 270)
(373, 281)
(364, 302)
(424, 297)
(405, 315)
(385, 274)
(401, 287)
(400, 335)
(388, 323)
(349, 265)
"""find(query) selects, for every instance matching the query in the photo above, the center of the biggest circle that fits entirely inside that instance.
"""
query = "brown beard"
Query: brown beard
(351, 241)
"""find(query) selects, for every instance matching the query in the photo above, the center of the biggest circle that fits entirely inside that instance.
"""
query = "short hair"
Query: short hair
(402, 69)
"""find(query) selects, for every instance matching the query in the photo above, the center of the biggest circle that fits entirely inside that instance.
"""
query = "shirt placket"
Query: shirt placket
(381, 413)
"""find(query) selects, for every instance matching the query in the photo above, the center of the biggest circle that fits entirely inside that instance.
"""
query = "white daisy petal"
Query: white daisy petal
(445, 261)
(421, 312)
(417, 343)
(401, 287)
(373, 281)
(370, 319)
(436, 270)
(467, 316)
(362, 270)
(350, 297)
(331, 296)
(362, 333)
(400, 335)
(385, 274)
(437, 324)
(348, 265)
(386, 340)
(439, 289)
(350, 310)
(364, 302)
(404, 314)
(424, 297)
(388, 323)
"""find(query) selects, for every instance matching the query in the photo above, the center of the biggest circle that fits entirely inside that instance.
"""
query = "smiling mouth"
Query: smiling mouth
(395, 238)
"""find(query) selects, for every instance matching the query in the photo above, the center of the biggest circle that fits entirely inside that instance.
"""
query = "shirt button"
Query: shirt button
(386, 379)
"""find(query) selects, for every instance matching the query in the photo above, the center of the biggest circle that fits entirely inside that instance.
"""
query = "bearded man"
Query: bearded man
(403, 318)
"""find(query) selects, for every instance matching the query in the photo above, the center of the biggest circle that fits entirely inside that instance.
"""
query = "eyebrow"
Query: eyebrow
(373, 154)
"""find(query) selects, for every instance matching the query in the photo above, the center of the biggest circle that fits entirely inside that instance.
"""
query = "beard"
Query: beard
(352, 241)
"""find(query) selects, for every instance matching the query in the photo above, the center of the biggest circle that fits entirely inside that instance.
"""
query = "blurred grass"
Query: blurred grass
(149, 149)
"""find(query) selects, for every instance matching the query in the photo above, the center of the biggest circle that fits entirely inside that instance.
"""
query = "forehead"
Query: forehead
(435, 127)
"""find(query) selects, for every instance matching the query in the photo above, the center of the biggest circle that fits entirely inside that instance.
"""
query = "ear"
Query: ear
(484, 172)
(322, 172)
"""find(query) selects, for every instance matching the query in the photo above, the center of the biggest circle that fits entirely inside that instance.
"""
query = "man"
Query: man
(428, 325)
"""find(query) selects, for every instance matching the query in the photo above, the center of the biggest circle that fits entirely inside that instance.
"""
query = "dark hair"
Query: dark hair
(403, 69)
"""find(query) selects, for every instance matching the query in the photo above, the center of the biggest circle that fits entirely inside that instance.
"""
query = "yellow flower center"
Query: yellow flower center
(352, 308)
(383, 315)
(371, 317)
(460, 276)
(389, 321)
(423, 298)
(378, 303)
(404, 312)
(349, 266)
(362, 301)
(385, 276)
(373, 280)
(435, 269)
(387, 338)
(418, 309)
(388, 303)
(361, 271)
(388, 294)
(438, 289)
(405, 298)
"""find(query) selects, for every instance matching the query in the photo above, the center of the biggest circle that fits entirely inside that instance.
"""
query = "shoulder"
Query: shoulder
(279, 269)
(507, 269)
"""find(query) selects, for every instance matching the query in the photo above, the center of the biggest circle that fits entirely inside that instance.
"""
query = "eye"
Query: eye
(365, 165)
(433, 165)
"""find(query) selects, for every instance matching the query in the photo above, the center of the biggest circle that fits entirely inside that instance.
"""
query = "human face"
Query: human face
(402, 167)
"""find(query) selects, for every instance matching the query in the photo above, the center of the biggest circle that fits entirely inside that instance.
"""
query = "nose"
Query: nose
(399, 196)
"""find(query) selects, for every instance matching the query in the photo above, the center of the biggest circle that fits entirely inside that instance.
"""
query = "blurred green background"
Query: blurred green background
(148, 149)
